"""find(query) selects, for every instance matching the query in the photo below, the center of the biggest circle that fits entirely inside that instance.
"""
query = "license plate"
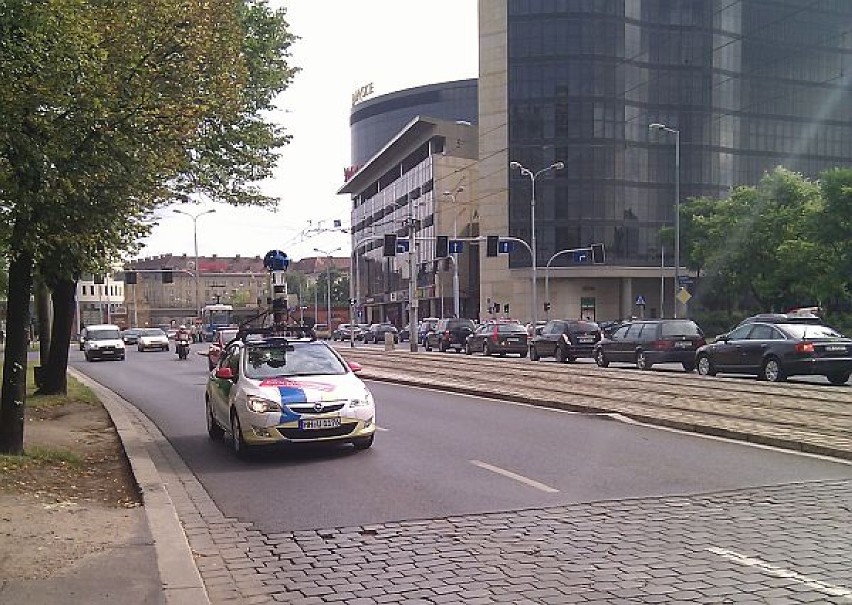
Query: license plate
(513, 340)
(319, 423)
(586, 339)
(683, 345)
(835, 348)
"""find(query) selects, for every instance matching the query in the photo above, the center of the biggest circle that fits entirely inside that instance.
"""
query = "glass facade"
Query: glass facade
(749, 85)
(374, 122)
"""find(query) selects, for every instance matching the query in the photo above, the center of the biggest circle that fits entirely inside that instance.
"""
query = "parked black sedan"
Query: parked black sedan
(376, 333)
(774, 351)
(566, 340)
(500, 338)
(646, 342)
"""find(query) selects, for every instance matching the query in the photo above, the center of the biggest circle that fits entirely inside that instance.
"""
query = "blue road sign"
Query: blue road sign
(581, 256)
(504, 246)
(685, 280)
(456, 247)
(402, 245)
(640, 301)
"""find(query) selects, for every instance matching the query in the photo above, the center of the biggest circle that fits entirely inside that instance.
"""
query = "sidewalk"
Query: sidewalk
(171, 574)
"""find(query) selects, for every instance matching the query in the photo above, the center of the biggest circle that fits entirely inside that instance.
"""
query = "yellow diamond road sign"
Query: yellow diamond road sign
(683, 296)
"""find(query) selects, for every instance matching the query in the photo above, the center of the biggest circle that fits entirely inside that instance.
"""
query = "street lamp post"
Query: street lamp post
(328, 254)
(675, 132)
(194, 218)
(533, 176)
(456, 301)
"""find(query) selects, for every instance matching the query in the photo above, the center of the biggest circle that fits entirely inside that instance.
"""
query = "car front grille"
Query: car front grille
(308, 408)
(297, 434)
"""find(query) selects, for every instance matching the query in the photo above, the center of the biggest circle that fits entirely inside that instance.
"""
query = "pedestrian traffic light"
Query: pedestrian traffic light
(547, 306)
(506, 308)
(598, 256)
(491, 244)
(442, 246)
(390, 244)
(168, 277)
(130, 277)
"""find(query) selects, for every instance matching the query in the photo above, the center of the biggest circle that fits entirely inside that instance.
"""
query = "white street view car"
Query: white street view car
(152, 338)
(287, 390)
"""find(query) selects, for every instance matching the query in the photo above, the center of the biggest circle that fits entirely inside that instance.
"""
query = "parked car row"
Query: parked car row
(770, 346)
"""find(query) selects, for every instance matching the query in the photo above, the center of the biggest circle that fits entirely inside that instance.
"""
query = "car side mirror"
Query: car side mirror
(354, 366)
(224, 373)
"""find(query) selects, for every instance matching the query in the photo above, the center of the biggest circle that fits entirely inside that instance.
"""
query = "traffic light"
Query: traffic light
(598, 255)
(390, 245)
(491, 244)
(442, 246)
(506, 308)
(547, 306)
(130, 277)
(168, 277)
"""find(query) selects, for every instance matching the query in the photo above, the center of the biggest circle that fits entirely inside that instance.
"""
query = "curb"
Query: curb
(703, 429)
(179, 575)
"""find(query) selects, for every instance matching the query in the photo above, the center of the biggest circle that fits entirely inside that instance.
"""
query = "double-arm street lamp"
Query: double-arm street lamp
(454, 256)
(194, 218)
(675, 132)
(327, 254)
(533, 176)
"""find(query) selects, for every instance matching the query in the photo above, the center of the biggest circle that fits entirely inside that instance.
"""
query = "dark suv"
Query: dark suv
(565, 339)
(646, 342)
(450, 333)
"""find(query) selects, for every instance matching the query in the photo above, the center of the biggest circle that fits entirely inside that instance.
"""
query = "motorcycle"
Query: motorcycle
(182, 347)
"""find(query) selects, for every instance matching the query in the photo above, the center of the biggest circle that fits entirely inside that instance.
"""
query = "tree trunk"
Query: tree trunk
(43, 315)
(14, 393)
(54, 379)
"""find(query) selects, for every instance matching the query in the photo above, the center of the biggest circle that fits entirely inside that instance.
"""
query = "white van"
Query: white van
(102, 341)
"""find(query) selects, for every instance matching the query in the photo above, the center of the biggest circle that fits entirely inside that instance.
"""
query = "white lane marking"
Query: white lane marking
(381, 428)
(515, 476)
(829, 589)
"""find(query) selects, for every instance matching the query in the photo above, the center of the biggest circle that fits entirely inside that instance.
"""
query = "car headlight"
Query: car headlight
(259, 405)
(93, 345)
(364, 400)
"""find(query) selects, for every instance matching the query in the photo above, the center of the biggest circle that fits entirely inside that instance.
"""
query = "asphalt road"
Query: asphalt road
(439, 454)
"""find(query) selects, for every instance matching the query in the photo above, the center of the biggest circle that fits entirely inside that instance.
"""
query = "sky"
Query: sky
(343, 45)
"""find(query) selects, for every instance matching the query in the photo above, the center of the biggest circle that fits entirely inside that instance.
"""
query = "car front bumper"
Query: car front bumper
(256, 432)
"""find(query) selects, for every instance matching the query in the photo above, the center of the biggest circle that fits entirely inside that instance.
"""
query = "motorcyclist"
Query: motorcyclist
(183, 334)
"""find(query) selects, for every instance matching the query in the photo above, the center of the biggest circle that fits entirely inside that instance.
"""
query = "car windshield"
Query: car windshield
(810, 331)
(292, 359)
(680, 328)
(103, 335)
(151, 332)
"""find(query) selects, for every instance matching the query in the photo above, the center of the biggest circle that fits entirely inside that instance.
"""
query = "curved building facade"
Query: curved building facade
(375, 121)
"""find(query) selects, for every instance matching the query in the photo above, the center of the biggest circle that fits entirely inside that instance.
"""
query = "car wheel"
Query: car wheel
(467, 349)
(688, 366)
(559, 354)
(600, 359)
(139, 348)
(241, 448)
(364, 442)
(772, 371)
(443, 347)
(705, 366)
(486, 350)
(522, 354)
(428, 346)
(213, 429)
(642, 361)
(839, 378)
(534, 355)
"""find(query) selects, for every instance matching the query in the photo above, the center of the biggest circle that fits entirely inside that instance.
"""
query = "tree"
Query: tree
(162, 99)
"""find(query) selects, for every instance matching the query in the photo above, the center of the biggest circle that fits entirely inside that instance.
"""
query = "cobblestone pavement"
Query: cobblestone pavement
(787, 544)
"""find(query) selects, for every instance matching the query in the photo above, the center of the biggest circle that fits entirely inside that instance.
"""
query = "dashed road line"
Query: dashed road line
(515, 476)
(829, 589)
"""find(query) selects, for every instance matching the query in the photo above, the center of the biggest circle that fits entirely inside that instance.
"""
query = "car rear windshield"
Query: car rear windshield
(228, 335)
(296, 359)
(584, 326)
(103, 335)
(511, 329)
(680, 328)
(810, 331)
(151, 332)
